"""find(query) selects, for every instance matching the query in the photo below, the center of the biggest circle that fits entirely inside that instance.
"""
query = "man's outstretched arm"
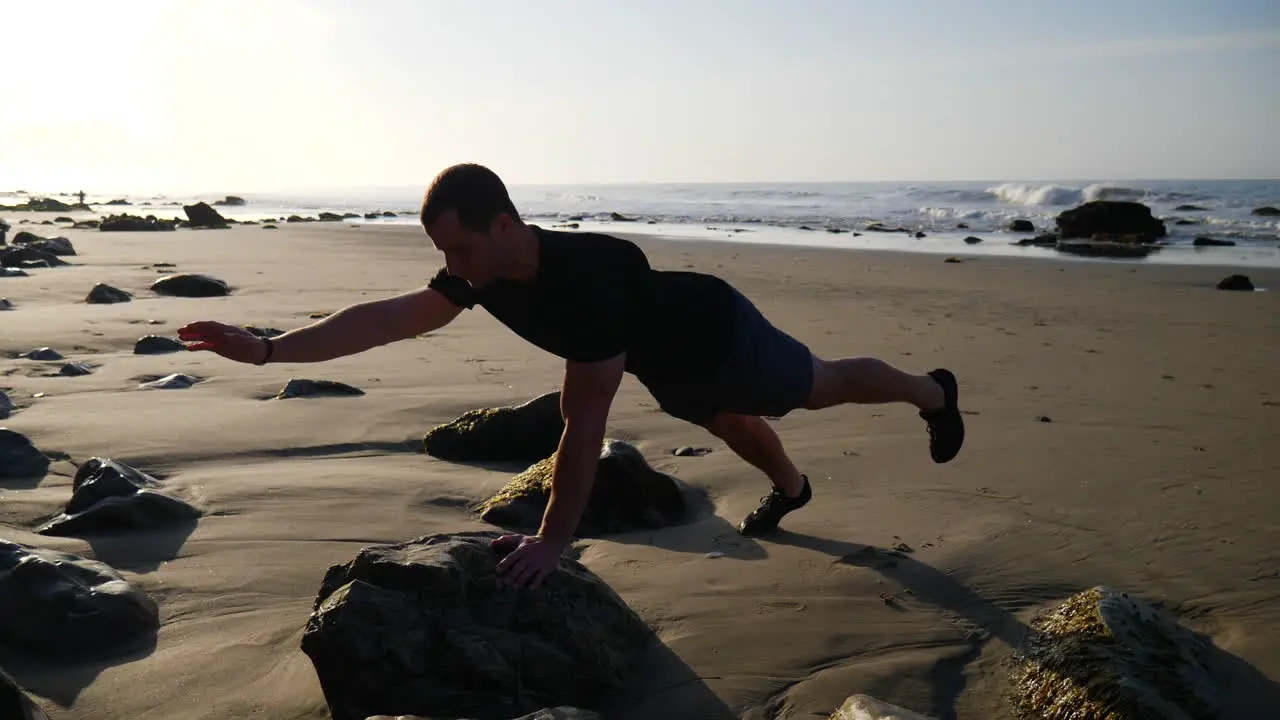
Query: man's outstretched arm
(585, 400)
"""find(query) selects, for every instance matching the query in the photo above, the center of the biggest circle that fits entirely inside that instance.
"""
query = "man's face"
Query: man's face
(468, 254)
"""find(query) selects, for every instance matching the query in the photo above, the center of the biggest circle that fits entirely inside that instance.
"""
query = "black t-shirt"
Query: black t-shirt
(595, 296)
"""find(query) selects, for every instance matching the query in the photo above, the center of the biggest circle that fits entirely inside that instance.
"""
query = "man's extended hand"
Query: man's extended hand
(530, 559)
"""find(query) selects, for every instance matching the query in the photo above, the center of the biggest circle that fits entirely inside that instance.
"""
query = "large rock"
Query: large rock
(134, 223)
(1110, 217)
(521, 433)
(190, 285)
(104, 294)
(201, 215)
(108, 496)
(627, 495)
(28, 257)
(19, 457)
(53, 246)
(59, 605)
(424, 628)
(1267, 211)
(230, 200)
(14, 703)
(1107, 654)
(865, 707)
(1236, 282)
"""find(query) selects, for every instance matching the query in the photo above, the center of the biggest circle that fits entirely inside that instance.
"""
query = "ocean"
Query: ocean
(799, 213)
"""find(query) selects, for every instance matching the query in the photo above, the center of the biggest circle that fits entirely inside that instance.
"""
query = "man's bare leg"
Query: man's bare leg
(756, 442)
(869, 381)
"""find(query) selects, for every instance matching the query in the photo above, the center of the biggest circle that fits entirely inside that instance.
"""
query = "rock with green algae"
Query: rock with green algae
(627, 495)
(519, 433)
(1107, 655)
(556, 713)
(424, 628)
(865, 707)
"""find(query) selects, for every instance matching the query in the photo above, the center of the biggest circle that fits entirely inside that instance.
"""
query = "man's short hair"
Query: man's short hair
(474, 191)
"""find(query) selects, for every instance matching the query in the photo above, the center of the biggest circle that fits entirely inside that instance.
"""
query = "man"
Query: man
(698, 345)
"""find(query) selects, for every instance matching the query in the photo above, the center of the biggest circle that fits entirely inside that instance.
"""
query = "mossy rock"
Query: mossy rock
(520, 433)
(1108, 655)
(627, 495)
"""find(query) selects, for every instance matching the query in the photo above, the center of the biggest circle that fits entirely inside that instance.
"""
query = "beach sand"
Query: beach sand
(1156, 474)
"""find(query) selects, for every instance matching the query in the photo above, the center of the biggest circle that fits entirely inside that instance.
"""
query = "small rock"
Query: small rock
(157, 345)
(690, 451)
(75, 369)
(865, 707)
(103, 294)
(1203, 241)
(60, 605)
(192, 285)
(401, 628)
(19, 458)
(971, 240)
(13, 272)
(53, 246)
(715, 554)
(953, 260)
(1236, 282)
(523, 433)
(176, 381)
(316, 388)
(109, 496)
(44, 353)
(6, 304)
(1044, 419)
(1021, 226)
(1267, 211)
(627, 495)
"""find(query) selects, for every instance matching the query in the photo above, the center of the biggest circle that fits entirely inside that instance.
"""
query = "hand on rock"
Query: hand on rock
(229, 341)
(529, 560)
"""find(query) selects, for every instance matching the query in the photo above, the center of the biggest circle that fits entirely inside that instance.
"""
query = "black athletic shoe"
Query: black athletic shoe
(772, 507)
(946, 425)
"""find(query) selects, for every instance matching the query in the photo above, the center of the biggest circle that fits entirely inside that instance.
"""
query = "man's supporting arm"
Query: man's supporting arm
(585, 400)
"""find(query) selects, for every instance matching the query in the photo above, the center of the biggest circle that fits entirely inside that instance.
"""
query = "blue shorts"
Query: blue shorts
(766, 373)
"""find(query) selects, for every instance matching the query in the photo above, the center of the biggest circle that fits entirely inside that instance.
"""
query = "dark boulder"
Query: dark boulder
(75, 369)
(423, 627)
(1205, 241)
(133, 223)
(6, 405)
(14, 702)
(627, 495)
(1105, 248)
(521, 433)
(109, 496)
(330, 217)
(44, 353)
(156, 345)
(1236, 282)
(1044, 240)
(53, 246)
(6, 304)
(59, 605)
(13, 272)
(1190, 208)
(1022, 226)
(297, 388)
(201, 215)
(26, 257)
(230, 200)
(1108, 654)
(192, 285)
(1111, 217)
(103, 294)
(19, 458)
(1267, 211)
(971, 240)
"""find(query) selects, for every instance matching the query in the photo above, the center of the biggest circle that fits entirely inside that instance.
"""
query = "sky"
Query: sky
(246, 95)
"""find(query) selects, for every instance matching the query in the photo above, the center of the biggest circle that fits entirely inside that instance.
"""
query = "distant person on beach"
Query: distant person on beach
(700, 347)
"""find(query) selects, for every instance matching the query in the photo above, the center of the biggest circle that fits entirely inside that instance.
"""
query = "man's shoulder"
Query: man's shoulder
(591, 248)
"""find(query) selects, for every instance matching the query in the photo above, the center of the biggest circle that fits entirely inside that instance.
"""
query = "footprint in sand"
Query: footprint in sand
(770, 607)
